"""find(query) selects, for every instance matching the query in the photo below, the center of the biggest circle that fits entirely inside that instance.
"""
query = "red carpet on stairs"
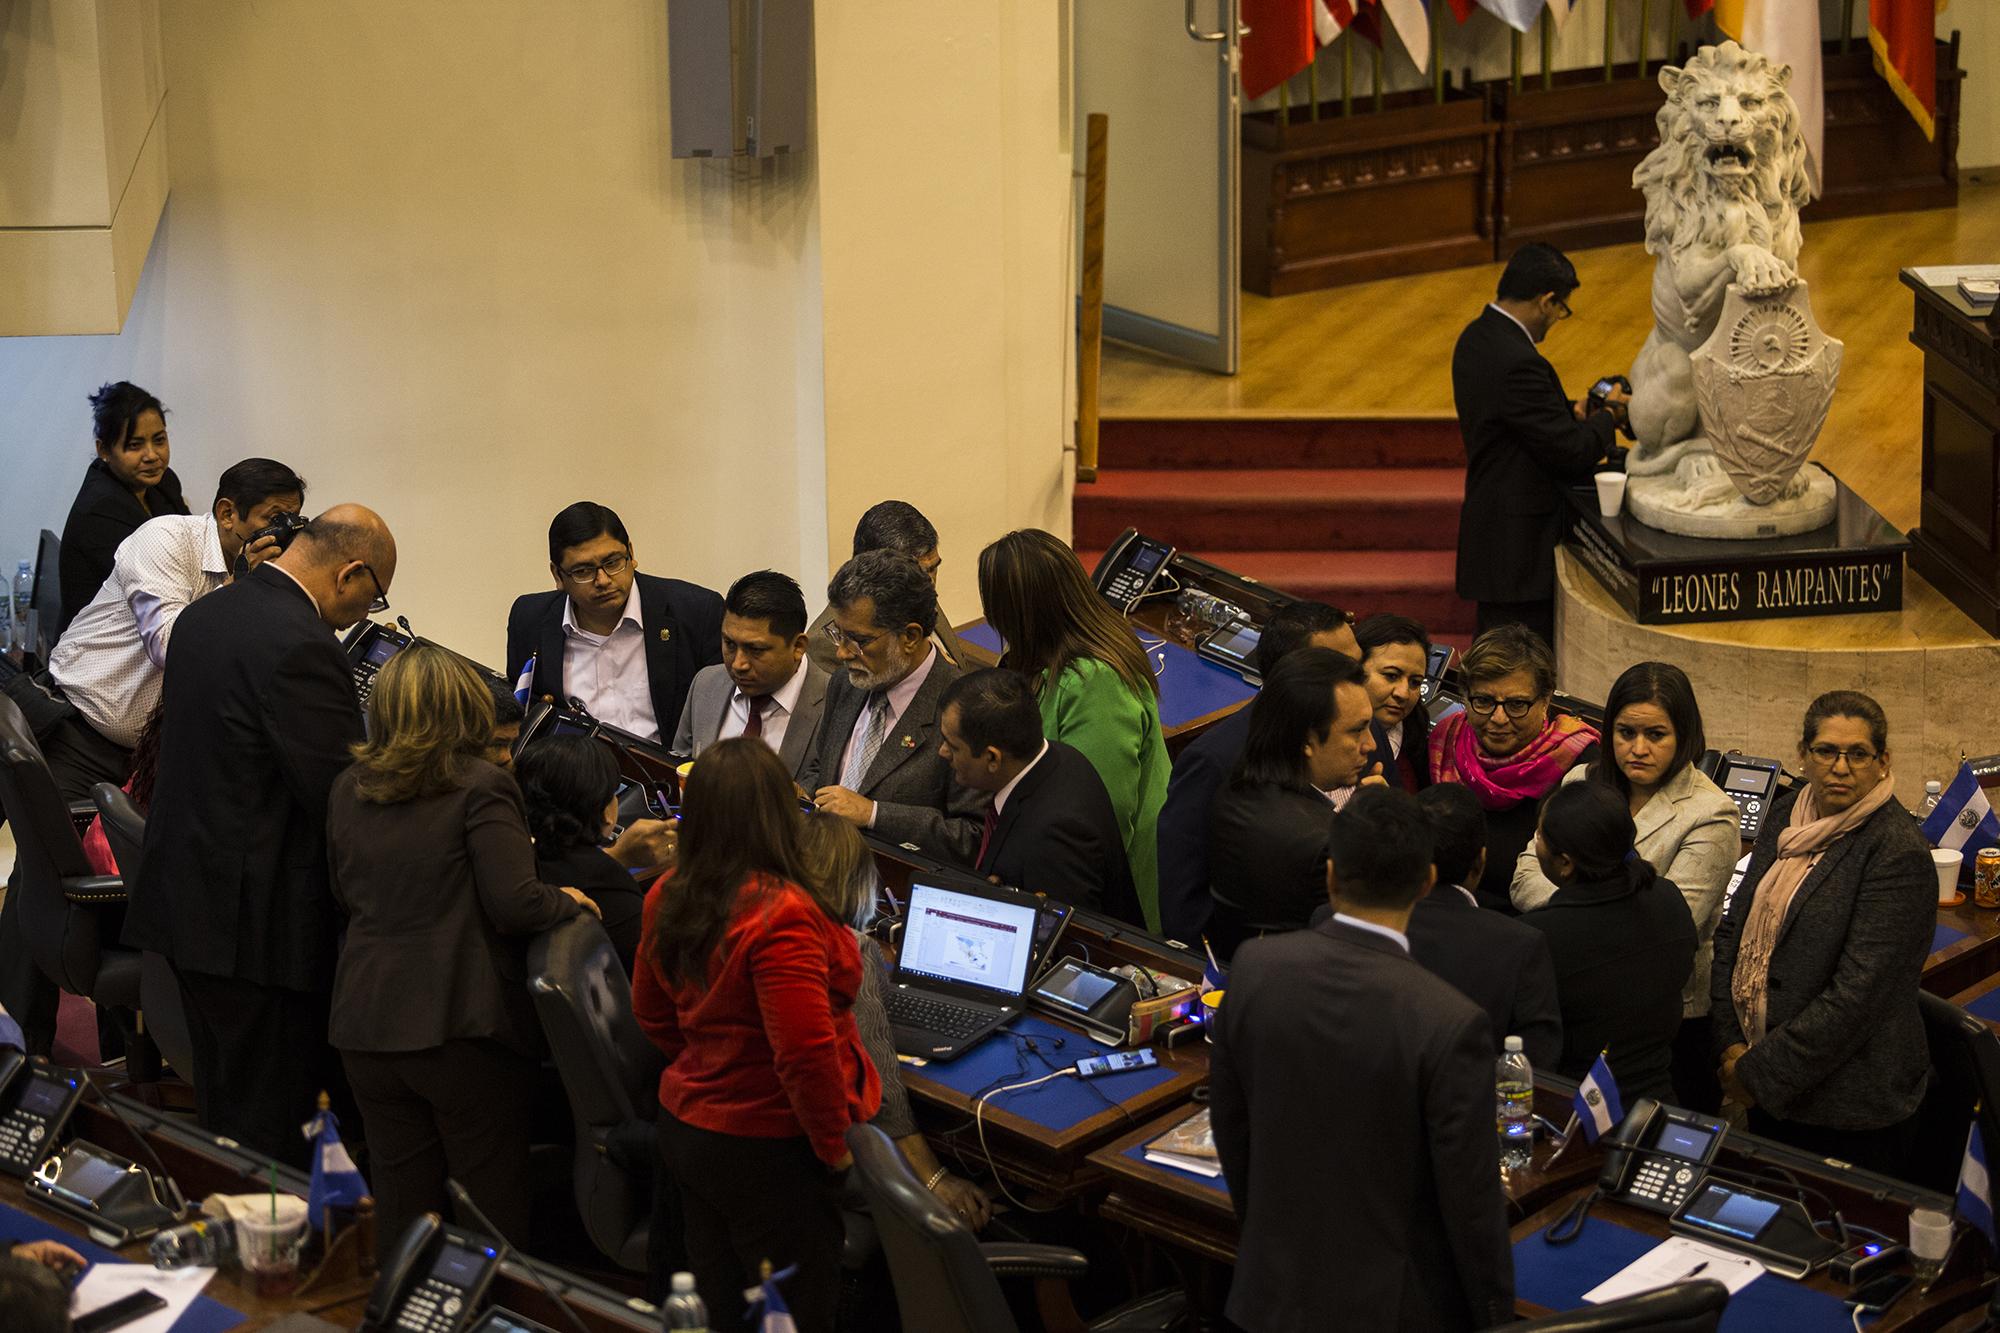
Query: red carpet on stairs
(1362, 513)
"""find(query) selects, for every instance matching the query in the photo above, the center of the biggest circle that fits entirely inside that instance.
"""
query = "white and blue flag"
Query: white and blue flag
(524, 684)
(776, 1316)
(335, 1178)
(1975, 1189)
(1964, 820)
(1598, 1106)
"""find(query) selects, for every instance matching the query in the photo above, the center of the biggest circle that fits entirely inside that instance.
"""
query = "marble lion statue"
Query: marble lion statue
(1723, 192)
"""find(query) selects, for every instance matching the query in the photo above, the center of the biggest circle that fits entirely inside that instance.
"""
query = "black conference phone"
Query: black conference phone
(369, 649)
(1130, 568)
(1658, 1156)
(36, 1100)
(1747, 780)
(433, 1282)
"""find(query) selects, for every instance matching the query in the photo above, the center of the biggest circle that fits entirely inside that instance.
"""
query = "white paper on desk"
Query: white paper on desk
(1674, 1261)
(107, 1282)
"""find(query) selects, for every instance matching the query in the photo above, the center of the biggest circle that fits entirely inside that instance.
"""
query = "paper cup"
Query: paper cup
(1947, 862)
(1610, 493)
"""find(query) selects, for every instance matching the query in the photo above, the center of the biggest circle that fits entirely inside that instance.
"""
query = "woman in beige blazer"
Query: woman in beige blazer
(1688, 832)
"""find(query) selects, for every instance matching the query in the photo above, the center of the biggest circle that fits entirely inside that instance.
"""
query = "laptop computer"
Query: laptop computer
(963, 969)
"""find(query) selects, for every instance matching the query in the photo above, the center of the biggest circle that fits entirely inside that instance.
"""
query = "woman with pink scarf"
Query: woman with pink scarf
(1819, 954)
(1507, 748)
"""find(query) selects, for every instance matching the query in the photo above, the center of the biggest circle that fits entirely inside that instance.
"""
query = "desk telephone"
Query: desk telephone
(1747, 780)
(433, 1282)
(35, 1103)
(369, 650)
(1130, 568)
(1657, 1156)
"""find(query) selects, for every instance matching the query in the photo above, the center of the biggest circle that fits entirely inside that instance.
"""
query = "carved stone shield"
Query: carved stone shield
(1764, 381)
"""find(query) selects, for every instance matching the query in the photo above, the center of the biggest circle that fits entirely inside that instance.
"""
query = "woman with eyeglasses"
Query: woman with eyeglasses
(1093, 681)
(1687, 830)
(1821, 949)
(1507, 747)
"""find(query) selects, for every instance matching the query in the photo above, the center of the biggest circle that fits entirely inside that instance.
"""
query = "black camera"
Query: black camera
(285, 526)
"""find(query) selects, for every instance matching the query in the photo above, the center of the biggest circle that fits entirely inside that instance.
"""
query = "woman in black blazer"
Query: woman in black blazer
(1622, 939)
(570, 786)
(1395, 656)
(1309, 735)
(432, 864)
(128, 483)
(1820, 953)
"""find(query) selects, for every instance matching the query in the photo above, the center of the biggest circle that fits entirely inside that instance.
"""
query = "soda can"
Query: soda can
(1986, 877)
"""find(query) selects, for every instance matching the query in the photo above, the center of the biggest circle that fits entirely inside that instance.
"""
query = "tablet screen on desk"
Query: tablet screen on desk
(1727, 1212)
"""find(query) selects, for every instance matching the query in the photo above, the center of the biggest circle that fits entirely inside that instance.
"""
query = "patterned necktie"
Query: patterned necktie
(754, 724)
(862, 757)
(986, 835)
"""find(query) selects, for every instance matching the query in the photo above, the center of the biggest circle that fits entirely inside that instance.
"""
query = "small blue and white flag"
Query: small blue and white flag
(775, 1316)
(1598, 1106)
(1964, 819)
(524, 684)
(335, 1178)
(1975, 1190)
(1214, 976)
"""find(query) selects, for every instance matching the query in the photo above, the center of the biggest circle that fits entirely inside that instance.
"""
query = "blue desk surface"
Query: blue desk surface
(1945, 936)
(1556, 1276)
(1190, 687)
(1007, 1057)
(204, 1316)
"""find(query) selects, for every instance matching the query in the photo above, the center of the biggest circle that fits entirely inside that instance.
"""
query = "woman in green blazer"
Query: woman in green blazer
(1096, 689)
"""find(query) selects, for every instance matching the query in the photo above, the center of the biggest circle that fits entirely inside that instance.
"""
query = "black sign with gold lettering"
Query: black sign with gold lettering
(1853, 564)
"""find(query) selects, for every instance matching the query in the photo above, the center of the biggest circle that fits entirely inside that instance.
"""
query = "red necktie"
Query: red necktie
(986, 834)
(754, 724)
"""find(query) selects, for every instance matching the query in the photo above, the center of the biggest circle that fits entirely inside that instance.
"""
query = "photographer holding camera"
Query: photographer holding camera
(1524, 442)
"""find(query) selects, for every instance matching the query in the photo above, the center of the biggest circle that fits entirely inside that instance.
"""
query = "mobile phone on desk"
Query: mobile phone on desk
(119, 1313)
(1880, 1294)
(1118, 1062)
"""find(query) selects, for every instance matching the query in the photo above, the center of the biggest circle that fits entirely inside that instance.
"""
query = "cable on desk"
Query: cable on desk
(979, 1123)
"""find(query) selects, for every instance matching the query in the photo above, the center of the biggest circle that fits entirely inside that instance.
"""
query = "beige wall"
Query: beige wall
(437, 257)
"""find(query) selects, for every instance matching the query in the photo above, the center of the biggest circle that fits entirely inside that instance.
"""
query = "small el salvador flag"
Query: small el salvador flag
(524, 684)
(1964, 818)
(335, 1178)
(1598, 1106)
(777, 1318)
(1975, 1189)
(1214, 976)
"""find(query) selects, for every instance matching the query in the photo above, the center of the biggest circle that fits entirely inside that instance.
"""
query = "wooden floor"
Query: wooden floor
(1385, 348)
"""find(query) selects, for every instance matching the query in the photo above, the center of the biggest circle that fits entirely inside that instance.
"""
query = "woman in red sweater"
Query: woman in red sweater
(748, 987)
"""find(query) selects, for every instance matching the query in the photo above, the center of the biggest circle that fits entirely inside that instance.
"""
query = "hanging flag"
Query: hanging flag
(524, 684)
(10, 1031)
(1975, 1190)
(1412, 21)
(335, 1179)
(1598, 1107)
(776, 1317)
(1559, 10)
(1788, 33)
(1964, 819)
(1331, 18)
(1696, 8)
(1903, 34)
(1462, 9)
(1280, 44)
(1519, 15)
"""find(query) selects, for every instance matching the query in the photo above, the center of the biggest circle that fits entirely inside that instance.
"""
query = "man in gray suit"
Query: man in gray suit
(764, 686)
(877, 763)
(892, 525)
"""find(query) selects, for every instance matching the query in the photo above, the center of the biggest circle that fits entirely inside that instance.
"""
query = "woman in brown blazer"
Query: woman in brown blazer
(434, 868)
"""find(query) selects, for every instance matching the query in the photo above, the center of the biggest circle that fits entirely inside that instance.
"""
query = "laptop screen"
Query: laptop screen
(968, 939)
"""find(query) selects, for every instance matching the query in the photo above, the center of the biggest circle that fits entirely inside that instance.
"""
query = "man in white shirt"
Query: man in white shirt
(765, 685)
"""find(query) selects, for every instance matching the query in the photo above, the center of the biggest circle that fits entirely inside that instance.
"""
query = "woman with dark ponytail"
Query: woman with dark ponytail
(570, 787)
(1621, 936)
(126, 483)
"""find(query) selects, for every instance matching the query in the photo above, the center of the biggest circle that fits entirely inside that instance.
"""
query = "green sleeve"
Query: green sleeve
(1094, 711)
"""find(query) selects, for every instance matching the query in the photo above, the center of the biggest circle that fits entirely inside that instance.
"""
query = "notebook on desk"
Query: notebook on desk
(963, 967)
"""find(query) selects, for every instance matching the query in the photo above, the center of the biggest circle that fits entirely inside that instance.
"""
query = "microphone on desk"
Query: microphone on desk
(403, 624)
(464, 1198)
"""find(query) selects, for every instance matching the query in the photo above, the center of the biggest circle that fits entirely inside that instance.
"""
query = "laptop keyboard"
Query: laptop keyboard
(915, 1010)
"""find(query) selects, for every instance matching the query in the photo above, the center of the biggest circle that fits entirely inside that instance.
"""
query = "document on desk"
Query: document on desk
(1677, 1260)
(107, 1282)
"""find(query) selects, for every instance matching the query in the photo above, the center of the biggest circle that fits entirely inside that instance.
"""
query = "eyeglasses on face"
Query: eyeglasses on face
(1562, 306)
(859, 642)
(611, 565)
(1826, 756)
(1484, 704)
(381, 602)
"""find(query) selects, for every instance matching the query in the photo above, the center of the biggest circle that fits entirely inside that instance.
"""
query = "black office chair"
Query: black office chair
(62, 903)
(942, 1271)
(1965, 1079)
(46, 599)
(611, 1075)
(160, 1003)
(1685, 1307)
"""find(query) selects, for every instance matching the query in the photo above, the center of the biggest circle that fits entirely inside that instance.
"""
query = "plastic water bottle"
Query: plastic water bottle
(206, 1242)
(1933, 790)
(1514, 1106)
(24, 593)
(685, 1308)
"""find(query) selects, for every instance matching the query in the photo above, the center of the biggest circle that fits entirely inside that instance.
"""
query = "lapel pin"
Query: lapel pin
(909, 741)
(665, 634)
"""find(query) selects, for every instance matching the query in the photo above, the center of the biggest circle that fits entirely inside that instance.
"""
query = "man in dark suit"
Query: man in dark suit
(627, 644)
(1495, 961)
(1352, 1094)
(260, 715)
(891, 525)
(1049, 825)
(877, 763)
(764, 686)
(1201, 769)
(1524, 442)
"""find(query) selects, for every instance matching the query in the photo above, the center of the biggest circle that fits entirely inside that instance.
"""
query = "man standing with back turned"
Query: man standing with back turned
(260, 715)
(1352, 1097)
(1524, 442)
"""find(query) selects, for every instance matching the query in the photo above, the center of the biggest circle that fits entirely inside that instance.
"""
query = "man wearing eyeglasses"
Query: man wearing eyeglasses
(626, 644)
(1525, 441)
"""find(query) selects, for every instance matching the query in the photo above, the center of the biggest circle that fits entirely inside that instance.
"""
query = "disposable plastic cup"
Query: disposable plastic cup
(1948, 861)
(269, 1251)
(1610, 493)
